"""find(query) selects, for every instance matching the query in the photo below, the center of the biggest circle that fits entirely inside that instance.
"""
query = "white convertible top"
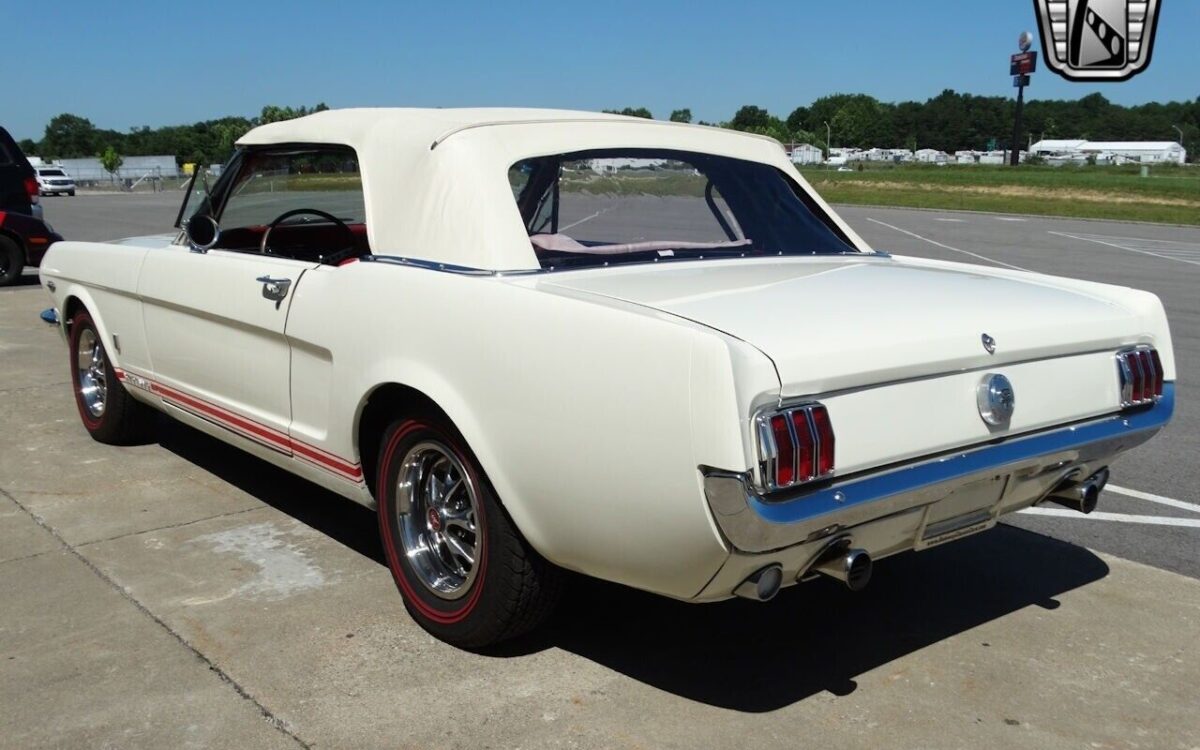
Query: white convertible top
(436, 184)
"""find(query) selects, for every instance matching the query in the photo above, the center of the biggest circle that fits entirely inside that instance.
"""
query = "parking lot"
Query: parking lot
(183, 594)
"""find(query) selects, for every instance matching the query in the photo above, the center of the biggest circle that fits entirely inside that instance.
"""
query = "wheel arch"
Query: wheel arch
(376, 411)
(71, 305)
(391, 398)
(16, 240)
(77, 298)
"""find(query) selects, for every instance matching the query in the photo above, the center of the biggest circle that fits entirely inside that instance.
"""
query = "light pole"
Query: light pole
(828, 141)
(1179, 130)
(1020, 66)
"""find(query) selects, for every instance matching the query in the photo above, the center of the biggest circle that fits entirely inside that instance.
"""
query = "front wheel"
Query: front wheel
(462, 568)
(109, 413)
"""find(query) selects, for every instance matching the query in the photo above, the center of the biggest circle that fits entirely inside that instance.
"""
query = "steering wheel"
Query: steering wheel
(265, 249)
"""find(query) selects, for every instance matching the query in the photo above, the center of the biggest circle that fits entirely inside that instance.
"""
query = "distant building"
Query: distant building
(932, 156)
(132, 168)
(839, 156)
(612, 164)
(805, 153)
(1110, 152)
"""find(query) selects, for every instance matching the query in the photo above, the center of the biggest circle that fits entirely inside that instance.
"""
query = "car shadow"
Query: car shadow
(743, 656)
(341, 519)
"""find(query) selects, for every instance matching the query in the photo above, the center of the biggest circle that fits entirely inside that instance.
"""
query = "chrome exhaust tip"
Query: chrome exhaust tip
(762, 585)
(852, 567)
(1081, 496)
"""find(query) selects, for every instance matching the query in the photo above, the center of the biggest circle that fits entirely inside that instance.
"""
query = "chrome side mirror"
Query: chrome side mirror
(202, 232)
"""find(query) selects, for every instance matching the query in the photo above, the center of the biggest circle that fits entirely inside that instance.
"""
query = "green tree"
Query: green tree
(69, 136)
(799, 120)
(110, 160)
(631, 112)
(27, 146)
(681, 115)
(750, 118)
(273, 113)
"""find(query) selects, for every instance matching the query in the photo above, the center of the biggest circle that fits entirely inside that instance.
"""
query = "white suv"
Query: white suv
(54, 181)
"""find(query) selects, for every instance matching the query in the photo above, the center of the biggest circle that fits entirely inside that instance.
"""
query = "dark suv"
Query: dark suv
(23, 237)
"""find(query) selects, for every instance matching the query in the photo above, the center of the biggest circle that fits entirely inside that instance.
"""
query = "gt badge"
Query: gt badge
(1097, 40)
(996, 399)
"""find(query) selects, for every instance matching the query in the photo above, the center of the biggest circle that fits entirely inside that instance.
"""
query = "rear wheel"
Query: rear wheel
(12, 262)
(109, 413)
(464, 571)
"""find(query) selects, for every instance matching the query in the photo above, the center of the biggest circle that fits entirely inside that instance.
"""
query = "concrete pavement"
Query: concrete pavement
(184, 594)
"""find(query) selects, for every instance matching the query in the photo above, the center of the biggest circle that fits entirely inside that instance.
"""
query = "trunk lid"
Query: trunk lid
(843, 322)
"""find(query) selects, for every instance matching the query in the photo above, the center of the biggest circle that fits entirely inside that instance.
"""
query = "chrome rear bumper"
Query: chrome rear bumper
(1031, 466)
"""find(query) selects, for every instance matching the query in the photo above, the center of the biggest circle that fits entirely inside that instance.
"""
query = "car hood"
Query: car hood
(843, 322)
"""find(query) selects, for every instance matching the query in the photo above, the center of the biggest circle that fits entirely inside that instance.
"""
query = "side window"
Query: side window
(271, 183)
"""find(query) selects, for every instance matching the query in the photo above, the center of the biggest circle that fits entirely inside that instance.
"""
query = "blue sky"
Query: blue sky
(163, 63)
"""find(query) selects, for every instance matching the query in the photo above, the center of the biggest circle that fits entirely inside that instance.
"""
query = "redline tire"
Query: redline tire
(120, 420)
(510, 589)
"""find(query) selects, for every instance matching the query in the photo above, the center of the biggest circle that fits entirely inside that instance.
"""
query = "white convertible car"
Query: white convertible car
(540, 341)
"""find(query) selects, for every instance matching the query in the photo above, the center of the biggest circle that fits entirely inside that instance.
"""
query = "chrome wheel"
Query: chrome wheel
(436, 510)
(93, 379)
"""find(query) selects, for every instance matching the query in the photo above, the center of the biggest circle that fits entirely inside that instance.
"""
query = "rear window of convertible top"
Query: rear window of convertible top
(593, 208)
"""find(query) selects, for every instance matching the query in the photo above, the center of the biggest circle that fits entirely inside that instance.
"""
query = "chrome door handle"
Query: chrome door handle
(274, 289)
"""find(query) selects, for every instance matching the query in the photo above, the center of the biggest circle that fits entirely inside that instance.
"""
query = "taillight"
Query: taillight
(795, 446)
(820, 418)
(785, 450)
(1141, 373)
(1156, 361)
(31, 187)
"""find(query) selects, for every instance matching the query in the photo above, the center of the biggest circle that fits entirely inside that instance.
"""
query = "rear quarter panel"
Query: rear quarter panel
(580, 411)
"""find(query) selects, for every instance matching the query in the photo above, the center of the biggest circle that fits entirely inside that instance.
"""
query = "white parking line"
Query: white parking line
(950, 221)
(947, 247)
(1128, 249)
(1139, 239)
(586, 218)
(1191, 523)
(1181, 504)
(1008, 218)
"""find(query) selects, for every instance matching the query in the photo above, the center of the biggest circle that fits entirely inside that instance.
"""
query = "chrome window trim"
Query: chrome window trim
(431, 265)
(401, 260)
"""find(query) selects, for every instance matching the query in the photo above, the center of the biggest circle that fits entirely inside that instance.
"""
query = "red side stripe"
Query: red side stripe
(249, 428)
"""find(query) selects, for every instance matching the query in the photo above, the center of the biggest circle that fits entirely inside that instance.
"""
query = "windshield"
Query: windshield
(52, 173)
(644, 205)
(272, 182)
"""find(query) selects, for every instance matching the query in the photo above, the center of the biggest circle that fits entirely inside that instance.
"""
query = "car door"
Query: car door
(215, 320)
(215, 331)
